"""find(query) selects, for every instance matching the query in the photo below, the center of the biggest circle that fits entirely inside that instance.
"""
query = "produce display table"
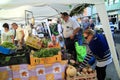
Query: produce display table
(55, 71)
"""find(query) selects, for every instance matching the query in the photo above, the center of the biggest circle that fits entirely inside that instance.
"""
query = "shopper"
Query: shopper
(70, 29)
(34, 31)
(85, 23)
(99, 48)
(92, 26)
(18, 35)
(7, 35)
(60, 36)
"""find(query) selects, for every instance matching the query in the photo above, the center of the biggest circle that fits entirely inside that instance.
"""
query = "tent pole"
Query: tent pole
(101, 9)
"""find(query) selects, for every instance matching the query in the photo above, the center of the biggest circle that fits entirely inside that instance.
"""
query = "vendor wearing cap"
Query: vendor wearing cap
(70, 29)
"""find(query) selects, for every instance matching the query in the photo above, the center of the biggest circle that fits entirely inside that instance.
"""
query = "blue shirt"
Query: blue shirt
(98, 45)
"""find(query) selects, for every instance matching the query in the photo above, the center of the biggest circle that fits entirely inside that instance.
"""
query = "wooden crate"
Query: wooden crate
(92, 76)
(34, 42)
(47, 60)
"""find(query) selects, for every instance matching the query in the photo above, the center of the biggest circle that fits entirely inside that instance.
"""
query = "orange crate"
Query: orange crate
(58, 58)
(36, 61)
(47, 60)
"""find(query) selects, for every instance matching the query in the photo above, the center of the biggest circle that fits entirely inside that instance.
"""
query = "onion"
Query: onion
(90, 70)
(78, 74)
(72, 61)
(84, 70)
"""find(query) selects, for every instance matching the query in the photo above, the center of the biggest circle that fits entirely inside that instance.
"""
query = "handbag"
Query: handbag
(81, 52)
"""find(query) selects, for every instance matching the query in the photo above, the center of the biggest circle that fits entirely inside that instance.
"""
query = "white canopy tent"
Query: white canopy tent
(53, 7)
(40, 12)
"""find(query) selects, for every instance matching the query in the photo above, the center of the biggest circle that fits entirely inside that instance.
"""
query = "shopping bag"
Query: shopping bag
(81, 52)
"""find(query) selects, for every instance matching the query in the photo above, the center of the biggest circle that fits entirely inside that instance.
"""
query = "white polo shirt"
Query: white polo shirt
(18, 33)
(69, 27)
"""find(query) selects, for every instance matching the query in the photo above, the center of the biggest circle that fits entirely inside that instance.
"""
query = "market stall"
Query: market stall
(40, 59)
(100, 9)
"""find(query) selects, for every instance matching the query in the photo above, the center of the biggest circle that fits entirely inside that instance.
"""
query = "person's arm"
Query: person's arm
(75, 32)
(60, 30)
(22, 38)
(2, 37)
(85, 62)
(76, 28)
(12, 37)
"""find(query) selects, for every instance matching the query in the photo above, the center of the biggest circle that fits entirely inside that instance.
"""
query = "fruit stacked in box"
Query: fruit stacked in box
(86, 73)
(53, 45)
(45, 56)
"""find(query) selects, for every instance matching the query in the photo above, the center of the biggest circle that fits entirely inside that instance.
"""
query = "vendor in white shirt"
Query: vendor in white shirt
(70, 29)
(19, 34)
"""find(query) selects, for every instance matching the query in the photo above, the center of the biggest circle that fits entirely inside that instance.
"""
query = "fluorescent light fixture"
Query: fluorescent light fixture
(4, 1)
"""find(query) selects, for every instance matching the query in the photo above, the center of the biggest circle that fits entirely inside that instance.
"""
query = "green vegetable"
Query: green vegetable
(45, 43)
(45, 52)
(8, 45)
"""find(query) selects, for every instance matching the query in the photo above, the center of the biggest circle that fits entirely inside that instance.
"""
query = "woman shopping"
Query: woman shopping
(100, 50)
(7, 35)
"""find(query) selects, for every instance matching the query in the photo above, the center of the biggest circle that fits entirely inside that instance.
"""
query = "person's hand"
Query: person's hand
(72, 36)
(21, 41)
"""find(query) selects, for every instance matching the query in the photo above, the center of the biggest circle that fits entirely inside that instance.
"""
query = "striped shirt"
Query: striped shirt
(98, 47)
(107, 59)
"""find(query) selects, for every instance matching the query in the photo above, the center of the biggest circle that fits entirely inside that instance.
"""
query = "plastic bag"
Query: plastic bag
(81, 52)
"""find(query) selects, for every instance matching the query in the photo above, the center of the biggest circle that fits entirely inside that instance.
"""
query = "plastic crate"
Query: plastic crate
(47, 60)
(34, 42)
(4, 50)
(16, 58)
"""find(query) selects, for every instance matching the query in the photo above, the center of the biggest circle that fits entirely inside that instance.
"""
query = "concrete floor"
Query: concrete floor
(111, 71)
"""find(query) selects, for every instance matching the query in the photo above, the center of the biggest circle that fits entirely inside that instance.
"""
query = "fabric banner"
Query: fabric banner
(54, 71)
(5, 73)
